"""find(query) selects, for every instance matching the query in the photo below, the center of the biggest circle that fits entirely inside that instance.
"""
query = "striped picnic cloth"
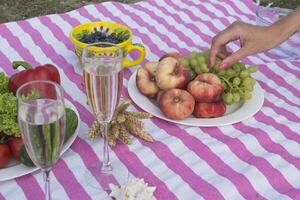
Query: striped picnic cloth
(258, 158)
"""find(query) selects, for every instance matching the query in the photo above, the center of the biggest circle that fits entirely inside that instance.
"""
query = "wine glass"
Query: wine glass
(103, 80)
(41, 117)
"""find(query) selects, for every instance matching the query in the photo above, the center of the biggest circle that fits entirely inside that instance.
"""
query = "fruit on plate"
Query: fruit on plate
(209, 110)
(176, 104)
(4, 154)
(175, 54)
(146, 81)
(158, 96)
(206, 87)
(171, 74)
(15, 144)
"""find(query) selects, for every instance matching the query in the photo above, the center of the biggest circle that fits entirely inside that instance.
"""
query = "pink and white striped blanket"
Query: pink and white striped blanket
(258, 158)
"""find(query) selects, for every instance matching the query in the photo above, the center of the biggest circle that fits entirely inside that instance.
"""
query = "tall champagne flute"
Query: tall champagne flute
(103, 80)
(41, 117)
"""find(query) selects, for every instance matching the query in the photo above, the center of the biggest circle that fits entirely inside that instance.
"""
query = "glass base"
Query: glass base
(101, 176)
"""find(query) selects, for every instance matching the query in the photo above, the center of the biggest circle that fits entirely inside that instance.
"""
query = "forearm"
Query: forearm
(288, 25)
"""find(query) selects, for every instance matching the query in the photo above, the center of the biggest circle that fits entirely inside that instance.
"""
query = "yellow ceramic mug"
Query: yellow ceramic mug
(109, 28)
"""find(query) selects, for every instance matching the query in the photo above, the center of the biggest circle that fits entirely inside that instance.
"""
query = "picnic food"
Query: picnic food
(146, 81)
(237, 80)
(208, 110)
(175, 54)
(15, 144)
(4, 154)
(211, 88)
(43, 72)
(206, 87)
(112, 32)
(176, 104)
(171, 74)
(102, 34)
(9, 129)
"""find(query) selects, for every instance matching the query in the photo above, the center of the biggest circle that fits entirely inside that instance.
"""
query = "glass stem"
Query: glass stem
(46, 173)
(106, 164)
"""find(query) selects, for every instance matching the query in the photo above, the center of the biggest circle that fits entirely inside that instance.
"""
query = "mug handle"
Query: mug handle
(140, 48)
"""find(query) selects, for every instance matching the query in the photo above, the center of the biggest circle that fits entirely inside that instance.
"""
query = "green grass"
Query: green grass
(12, 10)
(292, 4)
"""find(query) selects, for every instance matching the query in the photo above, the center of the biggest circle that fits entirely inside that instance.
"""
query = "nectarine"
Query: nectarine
(206, 87)
(176, 104)
(208, 110)
(171, 74)
(145, 80)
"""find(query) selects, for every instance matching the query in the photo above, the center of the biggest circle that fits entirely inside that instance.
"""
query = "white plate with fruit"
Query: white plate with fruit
(184, 90)
(14, 168)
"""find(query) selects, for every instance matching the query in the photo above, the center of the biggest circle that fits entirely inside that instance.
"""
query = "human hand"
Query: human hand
(253, 39)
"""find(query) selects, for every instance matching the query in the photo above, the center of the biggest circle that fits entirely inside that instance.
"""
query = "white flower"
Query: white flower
(133, 189)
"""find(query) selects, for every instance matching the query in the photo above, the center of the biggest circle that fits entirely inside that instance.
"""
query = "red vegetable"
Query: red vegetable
(43, 72)
(4, 154)
(15, 144)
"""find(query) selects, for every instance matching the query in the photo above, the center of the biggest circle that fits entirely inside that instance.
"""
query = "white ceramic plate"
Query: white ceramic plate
(17, 169)
(234, 113)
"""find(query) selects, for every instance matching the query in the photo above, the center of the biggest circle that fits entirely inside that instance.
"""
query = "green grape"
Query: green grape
(248, 87)
(193, 63)
(236, 68)
(201, 59)
(194, 54)
(230, 72)
(247, 95)
(236, 81)
(241, 65)
(197, 69)
(228, 97)
(245, 73)
(252, 69)
(216, 66)
(253, 81)
(192, 74)
(190, 58)
(204, 68)
(184, 62)
(236, 97)
(247, 81)
(224, 85)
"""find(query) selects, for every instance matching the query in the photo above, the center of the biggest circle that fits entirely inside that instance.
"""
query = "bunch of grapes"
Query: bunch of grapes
(196, 63)
(238, 83)
(237, 80)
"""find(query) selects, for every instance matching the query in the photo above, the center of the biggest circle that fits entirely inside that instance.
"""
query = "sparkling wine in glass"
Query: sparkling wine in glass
(103, 80)
(41, 117)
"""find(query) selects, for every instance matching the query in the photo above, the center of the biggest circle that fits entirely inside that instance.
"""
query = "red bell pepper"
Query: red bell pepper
(43, 72)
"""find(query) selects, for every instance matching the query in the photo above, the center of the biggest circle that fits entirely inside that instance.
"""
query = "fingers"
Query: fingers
(219, 42)
(233, 58)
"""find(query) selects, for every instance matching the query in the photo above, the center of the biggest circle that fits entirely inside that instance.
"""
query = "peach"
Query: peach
(175, 54)
(176, 104)
(158, 96)
(171, 74)
(209, 110)
(206, 87)
(145, 80)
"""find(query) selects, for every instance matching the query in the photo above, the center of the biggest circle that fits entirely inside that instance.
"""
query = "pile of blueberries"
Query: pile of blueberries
(102, 36)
